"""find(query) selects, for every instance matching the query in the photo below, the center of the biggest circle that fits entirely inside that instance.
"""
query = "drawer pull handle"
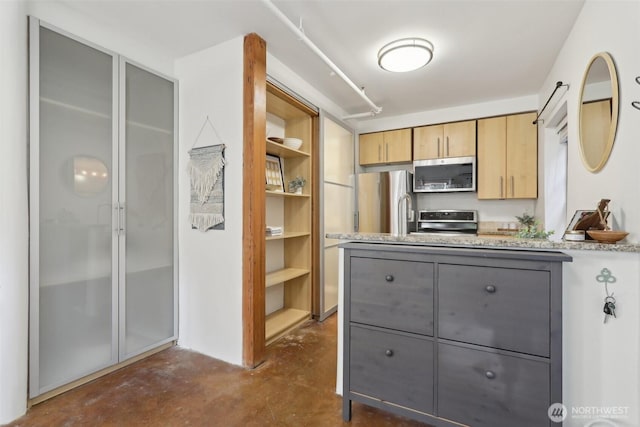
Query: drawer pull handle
(389, 353)
(388, 278)
(490, 374)
(490, 288)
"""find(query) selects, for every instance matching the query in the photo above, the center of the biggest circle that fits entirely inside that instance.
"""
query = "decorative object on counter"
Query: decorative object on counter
(574, 236)
(273, 172)
(529, 228)
(609, 308)
(607, 236)
(596, 220)
(296, 185)
(526, 220)
(595, 224)
(598, 106)
(206, 173)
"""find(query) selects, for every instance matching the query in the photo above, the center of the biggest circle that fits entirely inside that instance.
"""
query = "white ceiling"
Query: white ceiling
(484, 50)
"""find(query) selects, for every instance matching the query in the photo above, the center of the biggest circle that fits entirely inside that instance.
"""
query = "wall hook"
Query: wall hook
(606, 277)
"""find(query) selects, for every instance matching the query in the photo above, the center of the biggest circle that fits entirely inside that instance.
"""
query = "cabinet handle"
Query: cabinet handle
(490, 289)
(379, 152)
(438, 146)
(121, 219)
(389, 353)
(447, 146)
(387, 152)
(512, 186)
(490, 374)
(501, 187)
(388, 278)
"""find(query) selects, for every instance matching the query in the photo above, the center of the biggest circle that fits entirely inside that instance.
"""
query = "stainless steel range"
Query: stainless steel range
(447, 222)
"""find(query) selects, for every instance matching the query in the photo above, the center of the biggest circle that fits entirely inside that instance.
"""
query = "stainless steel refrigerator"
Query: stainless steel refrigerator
(386, 202)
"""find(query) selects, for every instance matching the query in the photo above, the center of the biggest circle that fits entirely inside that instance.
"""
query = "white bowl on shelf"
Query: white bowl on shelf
(294, 143)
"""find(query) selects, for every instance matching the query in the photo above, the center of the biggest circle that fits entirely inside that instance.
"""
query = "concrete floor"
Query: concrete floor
(294, 387)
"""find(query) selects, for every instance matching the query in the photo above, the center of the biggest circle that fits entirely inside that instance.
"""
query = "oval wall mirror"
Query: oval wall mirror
(598, 111)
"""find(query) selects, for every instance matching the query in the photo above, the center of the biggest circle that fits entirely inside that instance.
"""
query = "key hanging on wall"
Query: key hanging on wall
(609, 308)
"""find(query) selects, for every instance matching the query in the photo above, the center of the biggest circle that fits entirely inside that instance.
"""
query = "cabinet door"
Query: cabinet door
(460, 139)
(397, 146)
(392, 294)
(427, 142)
(392, 367)
(522, 156)
(371, 145)
(73, 310)
(492, 306)
(148, 308)
(484, 389)
(492, 155)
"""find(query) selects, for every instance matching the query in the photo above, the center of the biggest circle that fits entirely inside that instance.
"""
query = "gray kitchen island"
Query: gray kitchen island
(450, 335)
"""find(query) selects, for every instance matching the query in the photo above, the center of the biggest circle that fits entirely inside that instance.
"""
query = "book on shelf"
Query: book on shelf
(274, 231)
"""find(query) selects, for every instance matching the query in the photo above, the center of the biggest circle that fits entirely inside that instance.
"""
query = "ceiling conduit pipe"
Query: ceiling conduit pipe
(374, 108)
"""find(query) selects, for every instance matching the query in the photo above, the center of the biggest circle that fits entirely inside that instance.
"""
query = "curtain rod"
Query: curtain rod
(558, 86)
(374, 108)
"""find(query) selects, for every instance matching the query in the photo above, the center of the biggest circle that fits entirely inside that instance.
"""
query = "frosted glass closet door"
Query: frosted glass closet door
(148, 297)
(338, 190)
(73, 319)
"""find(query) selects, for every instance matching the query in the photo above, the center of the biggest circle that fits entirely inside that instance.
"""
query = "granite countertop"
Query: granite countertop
(484, 242)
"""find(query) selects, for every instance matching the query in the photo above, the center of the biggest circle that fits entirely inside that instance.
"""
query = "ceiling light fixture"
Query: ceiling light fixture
(404, 55)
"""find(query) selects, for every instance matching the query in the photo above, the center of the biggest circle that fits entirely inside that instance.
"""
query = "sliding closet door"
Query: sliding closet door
(148, 293)
(72, 239)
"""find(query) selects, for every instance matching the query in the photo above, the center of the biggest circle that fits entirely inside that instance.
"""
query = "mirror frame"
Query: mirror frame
(614, 111)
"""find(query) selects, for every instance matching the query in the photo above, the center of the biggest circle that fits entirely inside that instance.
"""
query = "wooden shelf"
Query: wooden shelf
(281, 150)
(283, 275)
(284, 194)
(282, 321)
(289, 235)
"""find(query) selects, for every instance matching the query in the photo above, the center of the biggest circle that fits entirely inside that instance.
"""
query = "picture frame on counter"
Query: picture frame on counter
(273, 174)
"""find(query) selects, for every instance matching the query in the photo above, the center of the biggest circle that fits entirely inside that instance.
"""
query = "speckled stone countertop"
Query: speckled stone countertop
(506, 242)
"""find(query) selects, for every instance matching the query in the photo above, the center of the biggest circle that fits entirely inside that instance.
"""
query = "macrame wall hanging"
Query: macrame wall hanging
(206, 173)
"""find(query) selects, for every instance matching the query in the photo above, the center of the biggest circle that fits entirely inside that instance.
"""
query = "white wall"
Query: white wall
(14, 284)
(284, 75)
(610, 26)
(601, 366)
(602, 362)
(67, 19)
(211, 262)
(463, 112)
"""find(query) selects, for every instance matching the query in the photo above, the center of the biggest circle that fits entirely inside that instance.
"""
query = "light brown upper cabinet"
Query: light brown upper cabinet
(508, 157)
(448, 140)
(393, 146)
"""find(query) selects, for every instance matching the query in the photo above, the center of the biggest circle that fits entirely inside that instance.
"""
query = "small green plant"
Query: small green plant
(532, 232)
(297, 182)
(526, 220)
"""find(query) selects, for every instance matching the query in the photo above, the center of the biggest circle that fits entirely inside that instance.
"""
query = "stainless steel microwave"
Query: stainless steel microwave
(451, 174)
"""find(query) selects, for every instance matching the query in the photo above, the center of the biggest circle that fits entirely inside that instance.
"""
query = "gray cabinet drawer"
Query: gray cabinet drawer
(391, 367)
(497, 307)
(392, 294)
(484, 389)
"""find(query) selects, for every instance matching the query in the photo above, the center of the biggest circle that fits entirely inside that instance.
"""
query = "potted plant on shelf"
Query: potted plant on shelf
(296, 185)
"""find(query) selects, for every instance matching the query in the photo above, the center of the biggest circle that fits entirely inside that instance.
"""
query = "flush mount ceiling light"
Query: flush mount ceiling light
(405, 55)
